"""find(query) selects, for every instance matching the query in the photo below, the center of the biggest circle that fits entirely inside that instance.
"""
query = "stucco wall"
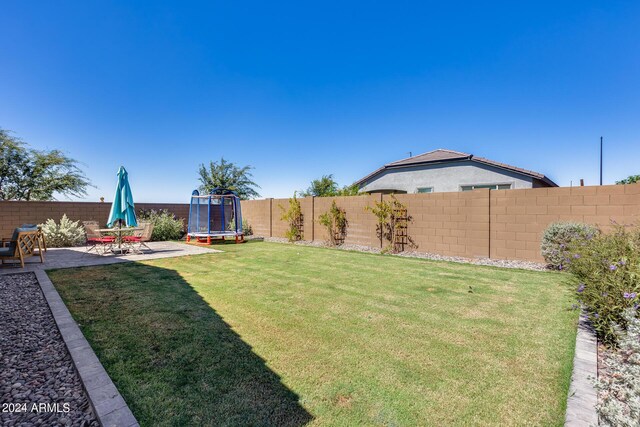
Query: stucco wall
(445, 177)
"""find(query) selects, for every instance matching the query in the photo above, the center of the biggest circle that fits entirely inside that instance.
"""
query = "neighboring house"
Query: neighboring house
(446, 170)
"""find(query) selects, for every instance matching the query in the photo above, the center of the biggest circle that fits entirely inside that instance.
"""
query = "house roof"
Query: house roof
(442, 155)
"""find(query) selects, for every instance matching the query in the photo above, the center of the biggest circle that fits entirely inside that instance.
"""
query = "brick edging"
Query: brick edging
(582, 399)
(108, 405)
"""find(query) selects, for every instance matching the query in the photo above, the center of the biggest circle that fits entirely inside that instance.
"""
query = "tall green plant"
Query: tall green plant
(335, 221)
(392, 220)
(294, 219)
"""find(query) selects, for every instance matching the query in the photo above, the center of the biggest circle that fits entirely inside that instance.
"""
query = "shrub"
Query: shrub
(246, 227)
(607, 268)
(294, 219)
(557, 238)
(165, 224)
(619, 390)
(335, 221)
(65, 234)
(392, 224)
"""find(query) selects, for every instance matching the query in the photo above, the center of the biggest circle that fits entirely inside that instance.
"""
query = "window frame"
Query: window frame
(424, 188)
(495, 186)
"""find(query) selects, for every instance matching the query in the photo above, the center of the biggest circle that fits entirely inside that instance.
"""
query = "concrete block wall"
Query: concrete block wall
(279, 227)
(361, 229)
(452, 224)
(503, 224)
(13, 214)
(258, 215)
(519, 217)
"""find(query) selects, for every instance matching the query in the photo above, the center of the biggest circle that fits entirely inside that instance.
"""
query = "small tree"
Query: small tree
(392, 224)
(326, 186)
(323, 187)
(350, 190)
(335, 221)
(294, 219)
(227, 175)
(631, 179)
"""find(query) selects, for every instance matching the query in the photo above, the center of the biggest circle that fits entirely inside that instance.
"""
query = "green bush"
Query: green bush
(335, 221)
(607, 269)
(557, 238)
(392, 219)
(246, 227)
(165, 224)
(294, 219)
(66, 234)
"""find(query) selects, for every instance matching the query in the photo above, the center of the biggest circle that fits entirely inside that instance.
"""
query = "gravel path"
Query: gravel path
(526, 265)
(39, 385)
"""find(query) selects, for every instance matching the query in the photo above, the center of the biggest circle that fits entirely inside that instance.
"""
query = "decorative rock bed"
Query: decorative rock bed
(526, 265)
(39, 384)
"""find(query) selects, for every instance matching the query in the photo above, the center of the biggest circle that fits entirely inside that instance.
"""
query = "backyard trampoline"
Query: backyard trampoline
(215, 216)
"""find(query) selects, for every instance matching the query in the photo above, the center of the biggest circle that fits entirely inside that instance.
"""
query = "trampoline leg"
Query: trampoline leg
(208, 240)
(188, 238)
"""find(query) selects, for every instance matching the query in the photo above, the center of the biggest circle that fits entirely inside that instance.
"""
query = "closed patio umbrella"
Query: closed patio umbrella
(122, 208)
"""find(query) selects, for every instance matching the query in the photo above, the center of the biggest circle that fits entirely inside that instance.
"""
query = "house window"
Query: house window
(425, 189)
(490, 186)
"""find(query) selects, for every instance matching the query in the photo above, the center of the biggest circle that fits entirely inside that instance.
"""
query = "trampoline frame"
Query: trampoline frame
(210, 235)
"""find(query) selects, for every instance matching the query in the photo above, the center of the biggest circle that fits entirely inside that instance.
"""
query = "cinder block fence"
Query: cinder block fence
(502, 224)
(12, 214)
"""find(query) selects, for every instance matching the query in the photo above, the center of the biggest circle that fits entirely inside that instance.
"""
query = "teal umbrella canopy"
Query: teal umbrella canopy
(122, 207)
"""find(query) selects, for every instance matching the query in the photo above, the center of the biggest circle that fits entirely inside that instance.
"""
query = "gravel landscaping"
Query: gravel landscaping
(38, 382)
(526, 265)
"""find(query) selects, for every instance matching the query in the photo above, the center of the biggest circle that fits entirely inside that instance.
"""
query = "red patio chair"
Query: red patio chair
(95, 239)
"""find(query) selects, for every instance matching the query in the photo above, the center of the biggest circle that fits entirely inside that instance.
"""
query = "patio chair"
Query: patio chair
(43, 242)
(137, 241)
(95, 239)
(22, 244)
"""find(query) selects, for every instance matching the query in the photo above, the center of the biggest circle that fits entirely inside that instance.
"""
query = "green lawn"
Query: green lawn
(273, 334)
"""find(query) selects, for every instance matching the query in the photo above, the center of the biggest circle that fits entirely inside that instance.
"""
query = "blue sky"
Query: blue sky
(300, 89)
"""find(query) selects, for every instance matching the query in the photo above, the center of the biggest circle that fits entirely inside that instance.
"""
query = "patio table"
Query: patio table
(119, 232)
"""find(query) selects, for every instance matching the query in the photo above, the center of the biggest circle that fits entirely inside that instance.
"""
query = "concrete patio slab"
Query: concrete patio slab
(78, 256)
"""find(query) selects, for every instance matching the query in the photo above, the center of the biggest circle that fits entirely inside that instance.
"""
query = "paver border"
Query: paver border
(583, 397)
(108, 405)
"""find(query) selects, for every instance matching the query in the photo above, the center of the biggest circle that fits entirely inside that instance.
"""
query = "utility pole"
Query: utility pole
(600, 160)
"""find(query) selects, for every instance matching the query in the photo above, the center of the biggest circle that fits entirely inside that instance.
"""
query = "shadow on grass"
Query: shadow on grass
(174, 358)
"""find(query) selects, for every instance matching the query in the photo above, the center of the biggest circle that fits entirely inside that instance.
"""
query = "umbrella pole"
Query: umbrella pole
(120, 236)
